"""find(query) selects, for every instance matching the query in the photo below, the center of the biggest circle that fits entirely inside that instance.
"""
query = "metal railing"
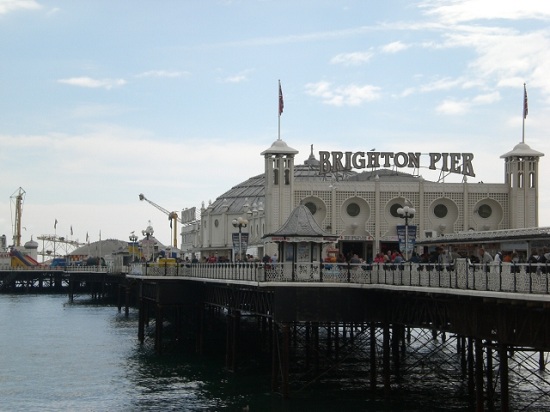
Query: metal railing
(504, 277)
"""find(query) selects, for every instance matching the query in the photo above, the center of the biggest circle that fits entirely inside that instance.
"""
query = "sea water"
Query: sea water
(84, 356)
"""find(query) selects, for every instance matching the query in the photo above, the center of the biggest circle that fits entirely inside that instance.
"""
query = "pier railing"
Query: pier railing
(504, 277)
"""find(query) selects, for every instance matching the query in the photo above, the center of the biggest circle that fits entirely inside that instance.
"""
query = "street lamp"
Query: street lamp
(240, 222)
(406, 213)
(133, 240)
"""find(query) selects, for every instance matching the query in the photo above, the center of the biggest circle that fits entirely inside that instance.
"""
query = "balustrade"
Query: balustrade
(505, 277)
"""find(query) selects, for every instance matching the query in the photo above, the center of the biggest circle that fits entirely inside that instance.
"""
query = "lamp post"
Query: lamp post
(133, 238)
(406, 213)
(240, 222)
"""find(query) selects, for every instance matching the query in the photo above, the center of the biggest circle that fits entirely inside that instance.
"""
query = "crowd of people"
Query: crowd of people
(443, 258)
(439, 256)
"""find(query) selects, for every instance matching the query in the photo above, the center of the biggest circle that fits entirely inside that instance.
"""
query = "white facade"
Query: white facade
(361, 208)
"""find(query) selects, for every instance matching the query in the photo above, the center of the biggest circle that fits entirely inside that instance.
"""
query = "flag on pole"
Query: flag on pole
(525, 106)
(281, 101)
(87, 237)
(55, 224)
(71, 230)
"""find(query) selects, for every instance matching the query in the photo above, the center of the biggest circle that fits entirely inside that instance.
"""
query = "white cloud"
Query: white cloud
(235, 79)
(460, 107)
(93, 83)
(394, 47)
(7, 6)
(486, 98)
(351, 59)
(453, 11)
(349, 95)
(453, 107)
(243, 76)
(163, 73)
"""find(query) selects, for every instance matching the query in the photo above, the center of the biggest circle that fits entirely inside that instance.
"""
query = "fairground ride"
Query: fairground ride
(56, 246)
(16, 204)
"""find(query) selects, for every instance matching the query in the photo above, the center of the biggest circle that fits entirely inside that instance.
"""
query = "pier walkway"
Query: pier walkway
(309, 317)
(305, 310)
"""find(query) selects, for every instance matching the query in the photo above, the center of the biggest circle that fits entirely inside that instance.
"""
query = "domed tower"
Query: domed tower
(522, 179)
(31, 249)
(279, 184)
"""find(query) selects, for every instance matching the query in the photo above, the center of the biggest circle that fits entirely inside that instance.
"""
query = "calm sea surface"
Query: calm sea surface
(57, 356)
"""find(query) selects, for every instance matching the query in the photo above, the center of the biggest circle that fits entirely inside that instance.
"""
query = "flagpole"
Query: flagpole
(280, 111)
(525, 110)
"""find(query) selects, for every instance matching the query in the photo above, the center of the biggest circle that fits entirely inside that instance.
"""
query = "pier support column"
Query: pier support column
(158, 329)
(503, 371)
(141, 320)
(386, 359)
(489, 378)
(280, 359)
(395, 335)
(479, 375)
(471, 380)
(285, 354)
(233, 325)
(372, 328)
(71, 290)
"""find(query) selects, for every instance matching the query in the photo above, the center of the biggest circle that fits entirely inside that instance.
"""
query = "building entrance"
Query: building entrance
(362, 249)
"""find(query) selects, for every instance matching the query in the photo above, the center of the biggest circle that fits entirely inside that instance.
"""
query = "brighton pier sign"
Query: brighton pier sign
(460, 163)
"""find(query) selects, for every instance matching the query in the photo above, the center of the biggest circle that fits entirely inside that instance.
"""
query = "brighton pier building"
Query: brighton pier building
(357, 197)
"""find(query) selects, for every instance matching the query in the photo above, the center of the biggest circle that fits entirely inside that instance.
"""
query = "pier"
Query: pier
(475, 325)
(310, 319)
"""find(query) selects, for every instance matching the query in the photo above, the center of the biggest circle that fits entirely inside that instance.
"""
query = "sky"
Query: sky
(101, 100)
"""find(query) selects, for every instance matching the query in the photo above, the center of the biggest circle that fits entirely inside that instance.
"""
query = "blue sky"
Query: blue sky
(101, 101)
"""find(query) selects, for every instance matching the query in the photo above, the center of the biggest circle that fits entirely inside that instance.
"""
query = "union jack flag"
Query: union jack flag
(281, 101)
(525, 106)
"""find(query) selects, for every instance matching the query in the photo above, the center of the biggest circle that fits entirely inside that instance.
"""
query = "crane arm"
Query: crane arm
(172, 216)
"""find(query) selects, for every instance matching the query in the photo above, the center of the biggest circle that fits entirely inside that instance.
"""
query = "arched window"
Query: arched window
(531, 180)
(287, 177)
(275, 176)
(393, 210)
(520, 181)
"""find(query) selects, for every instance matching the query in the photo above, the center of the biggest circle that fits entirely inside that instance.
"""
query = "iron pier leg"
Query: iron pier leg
(542, 365)
(316, 343)
(308, 344)
(71, 290)
(141, 321)
(285, 360)
(199, 348)
(372, 357)
(471, 383)
(489, 378)
(228, 335)
(386, 358)
(503, 370)
(329, 339)
(158, 330)
(479, 374)
(395, 335)
(274, 356)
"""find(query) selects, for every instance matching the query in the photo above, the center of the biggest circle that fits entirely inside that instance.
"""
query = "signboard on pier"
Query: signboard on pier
(406, 234)
(244, 242)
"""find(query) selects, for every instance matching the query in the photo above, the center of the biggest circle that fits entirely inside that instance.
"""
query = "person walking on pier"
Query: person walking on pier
(485, 259)
(274, 260)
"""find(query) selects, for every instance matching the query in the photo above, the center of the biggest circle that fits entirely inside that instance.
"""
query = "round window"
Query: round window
(312, 207)
(440, 211)
(353, 209)
(485, 211)
(216, 223)
(393, 210)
